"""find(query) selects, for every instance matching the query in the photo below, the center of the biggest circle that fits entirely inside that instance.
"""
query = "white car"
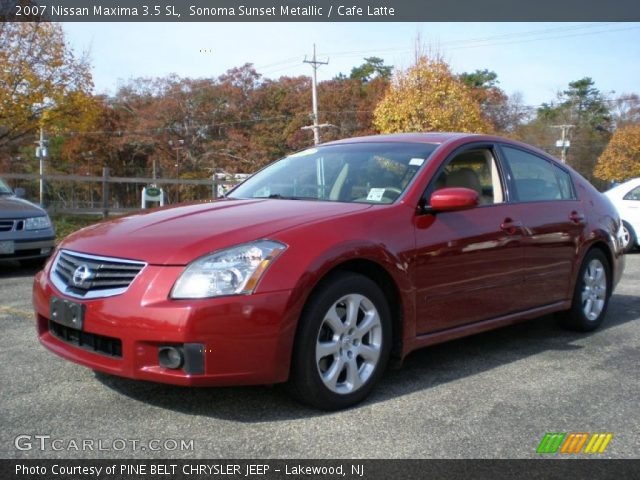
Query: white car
(626, 198)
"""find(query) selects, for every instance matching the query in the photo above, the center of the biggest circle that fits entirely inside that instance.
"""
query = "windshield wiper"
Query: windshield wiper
(289, 197)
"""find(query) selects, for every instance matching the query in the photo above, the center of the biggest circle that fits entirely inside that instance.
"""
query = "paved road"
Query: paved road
(492, 395)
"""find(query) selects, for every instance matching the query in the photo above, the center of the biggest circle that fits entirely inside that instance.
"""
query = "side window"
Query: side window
(474, 169)
(537, 179)
(633, 194)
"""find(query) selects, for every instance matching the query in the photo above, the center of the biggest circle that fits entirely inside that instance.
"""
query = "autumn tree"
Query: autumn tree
(505, 113)
(428, 97)
(40, 79)
(621, 158)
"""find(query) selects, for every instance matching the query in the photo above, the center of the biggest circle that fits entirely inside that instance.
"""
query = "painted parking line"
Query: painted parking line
(20, 312)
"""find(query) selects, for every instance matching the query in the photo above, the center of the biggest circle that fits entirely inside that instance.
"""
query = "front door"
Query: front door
(468, 265)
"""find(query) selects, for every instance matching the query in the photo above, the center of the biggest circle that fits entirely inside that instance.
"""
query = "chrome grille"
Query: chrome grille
(11, 225)
(89, 276)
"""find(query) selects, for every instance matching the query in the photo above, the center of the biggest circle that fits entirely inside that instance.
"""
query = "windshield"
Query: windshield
(4, 189)
(354, 172)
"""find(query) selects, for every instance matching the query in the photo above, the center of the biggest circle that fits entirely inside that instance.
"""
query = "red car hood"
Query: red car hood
(177, 235)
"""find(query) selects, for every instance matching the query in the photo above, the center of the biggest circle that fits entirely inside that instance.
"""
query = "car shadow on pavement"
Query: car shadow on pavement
(421, 371)
(14, 269)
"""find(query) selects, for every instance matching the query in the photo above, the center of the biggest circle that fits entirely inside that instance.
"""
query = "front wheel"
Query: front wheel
(343, 343)
(591, 294)
(628, 238)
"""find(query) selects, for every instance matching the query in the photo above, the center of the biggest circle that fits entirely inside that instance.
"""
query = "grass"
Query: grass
(67, 224)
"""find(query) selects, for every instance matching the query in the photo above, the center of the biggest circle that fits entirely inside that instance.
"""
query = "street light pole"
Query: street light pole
(177, 146)
(41, 153)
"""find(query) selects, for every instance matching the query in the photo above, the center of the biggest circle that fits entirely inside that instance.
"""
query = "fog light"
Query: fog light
(170, 357)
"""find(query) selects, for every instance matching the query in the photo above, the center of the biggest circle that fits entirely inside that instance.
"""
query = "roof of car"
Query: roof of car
(430, 137)
(623, 188)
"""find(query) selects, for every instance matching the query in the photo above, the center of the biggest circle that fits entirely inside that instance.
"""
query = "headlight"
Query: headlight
(232, 271)
(37, 223)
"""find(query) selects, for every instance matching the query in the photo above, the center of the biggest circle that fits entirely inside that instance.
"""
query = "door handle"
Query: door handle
(577, 218)
(510, 227)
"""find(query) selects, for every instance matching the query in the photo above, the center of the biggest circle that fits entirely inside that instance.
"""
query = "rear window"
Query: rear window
(633, 194)
(537, 179)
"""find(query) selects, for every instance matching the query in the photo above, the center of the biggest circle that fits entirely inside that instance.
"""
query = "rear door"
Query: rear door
(545, 201)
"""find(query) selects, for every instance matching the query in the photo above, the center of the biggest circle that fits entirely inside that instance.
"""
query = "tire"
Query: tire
(591, 293)
(339, 356)
(629, 238)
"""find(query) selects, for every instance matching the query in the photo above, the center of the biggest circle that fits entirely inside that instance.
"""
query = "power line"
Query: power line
(171, 130)
(480, 41)
(488, 41)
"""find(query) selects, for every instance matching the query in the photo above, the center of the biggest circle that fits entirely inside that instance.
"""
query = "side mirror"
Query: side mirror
(20, 192)
(452, 199)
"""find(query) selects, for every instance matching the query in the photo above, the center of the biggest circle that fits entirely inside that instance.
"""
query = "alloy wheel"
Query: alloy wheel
(626, 237)
(349, 344)
(594, 290)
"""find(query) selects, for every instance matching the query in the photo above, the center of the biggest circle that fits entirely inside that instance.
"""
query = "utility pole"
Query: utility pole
(564, 142)
(314, 93)
(41, 153)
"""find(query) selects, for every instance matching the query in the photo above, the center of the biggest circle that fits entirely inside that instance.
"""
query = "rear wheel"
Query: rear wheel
(591, 294)
(343, 343)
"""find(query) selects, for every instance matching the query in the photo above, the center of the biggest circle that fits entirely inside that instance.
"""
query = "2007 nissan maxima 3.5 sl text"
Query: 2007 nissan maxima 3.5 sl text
(324, 265)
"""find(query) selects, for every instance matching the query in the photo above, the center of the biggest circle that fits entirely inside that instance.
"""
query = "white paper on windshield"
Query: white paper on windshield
(416, 161)
(375, 194)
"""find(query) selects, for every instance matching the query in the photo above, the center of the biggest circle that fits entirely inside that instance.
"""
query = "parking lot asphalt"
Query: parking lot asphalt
(494, 395)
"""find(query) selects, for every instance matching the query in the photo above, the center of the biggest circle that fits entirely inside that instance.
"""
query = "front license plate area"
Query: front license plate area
(67, 313)
(7, 247)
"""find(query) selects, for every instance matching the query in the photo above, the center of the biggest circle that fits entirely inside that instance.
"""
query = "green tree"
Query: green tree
(582, 104)
(428, 97)
(484, 79)
(372, 68)
(584, 107)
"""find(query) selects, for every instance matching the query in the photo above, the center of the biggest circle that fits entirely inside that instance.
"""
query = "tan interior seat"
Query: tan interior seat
(467, 178)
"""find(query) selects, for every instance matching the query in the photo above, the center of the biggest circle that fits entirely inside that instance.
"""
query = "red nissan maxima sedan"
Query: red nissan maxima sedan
(326, 264)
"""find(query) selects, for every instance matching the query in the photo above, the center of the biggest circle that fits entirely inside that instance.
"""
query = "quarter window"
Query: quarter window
(537, 179)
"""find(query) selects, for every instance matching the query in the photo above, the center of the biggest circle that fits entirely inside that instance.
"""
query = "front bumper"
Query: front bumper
(24, 249)
(245, 339)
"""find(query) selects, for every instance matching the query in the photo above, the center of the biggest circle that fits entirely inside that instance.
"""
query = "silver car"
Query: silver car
(26, 233)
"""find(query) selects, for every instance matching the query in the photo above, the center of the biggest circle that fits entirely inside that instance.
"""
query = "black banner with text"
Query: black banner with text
(311, 469)
(317, 10)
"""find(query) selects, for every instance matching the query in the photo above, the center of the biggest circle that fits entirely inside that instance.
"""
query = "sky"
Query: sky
(536, 60)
